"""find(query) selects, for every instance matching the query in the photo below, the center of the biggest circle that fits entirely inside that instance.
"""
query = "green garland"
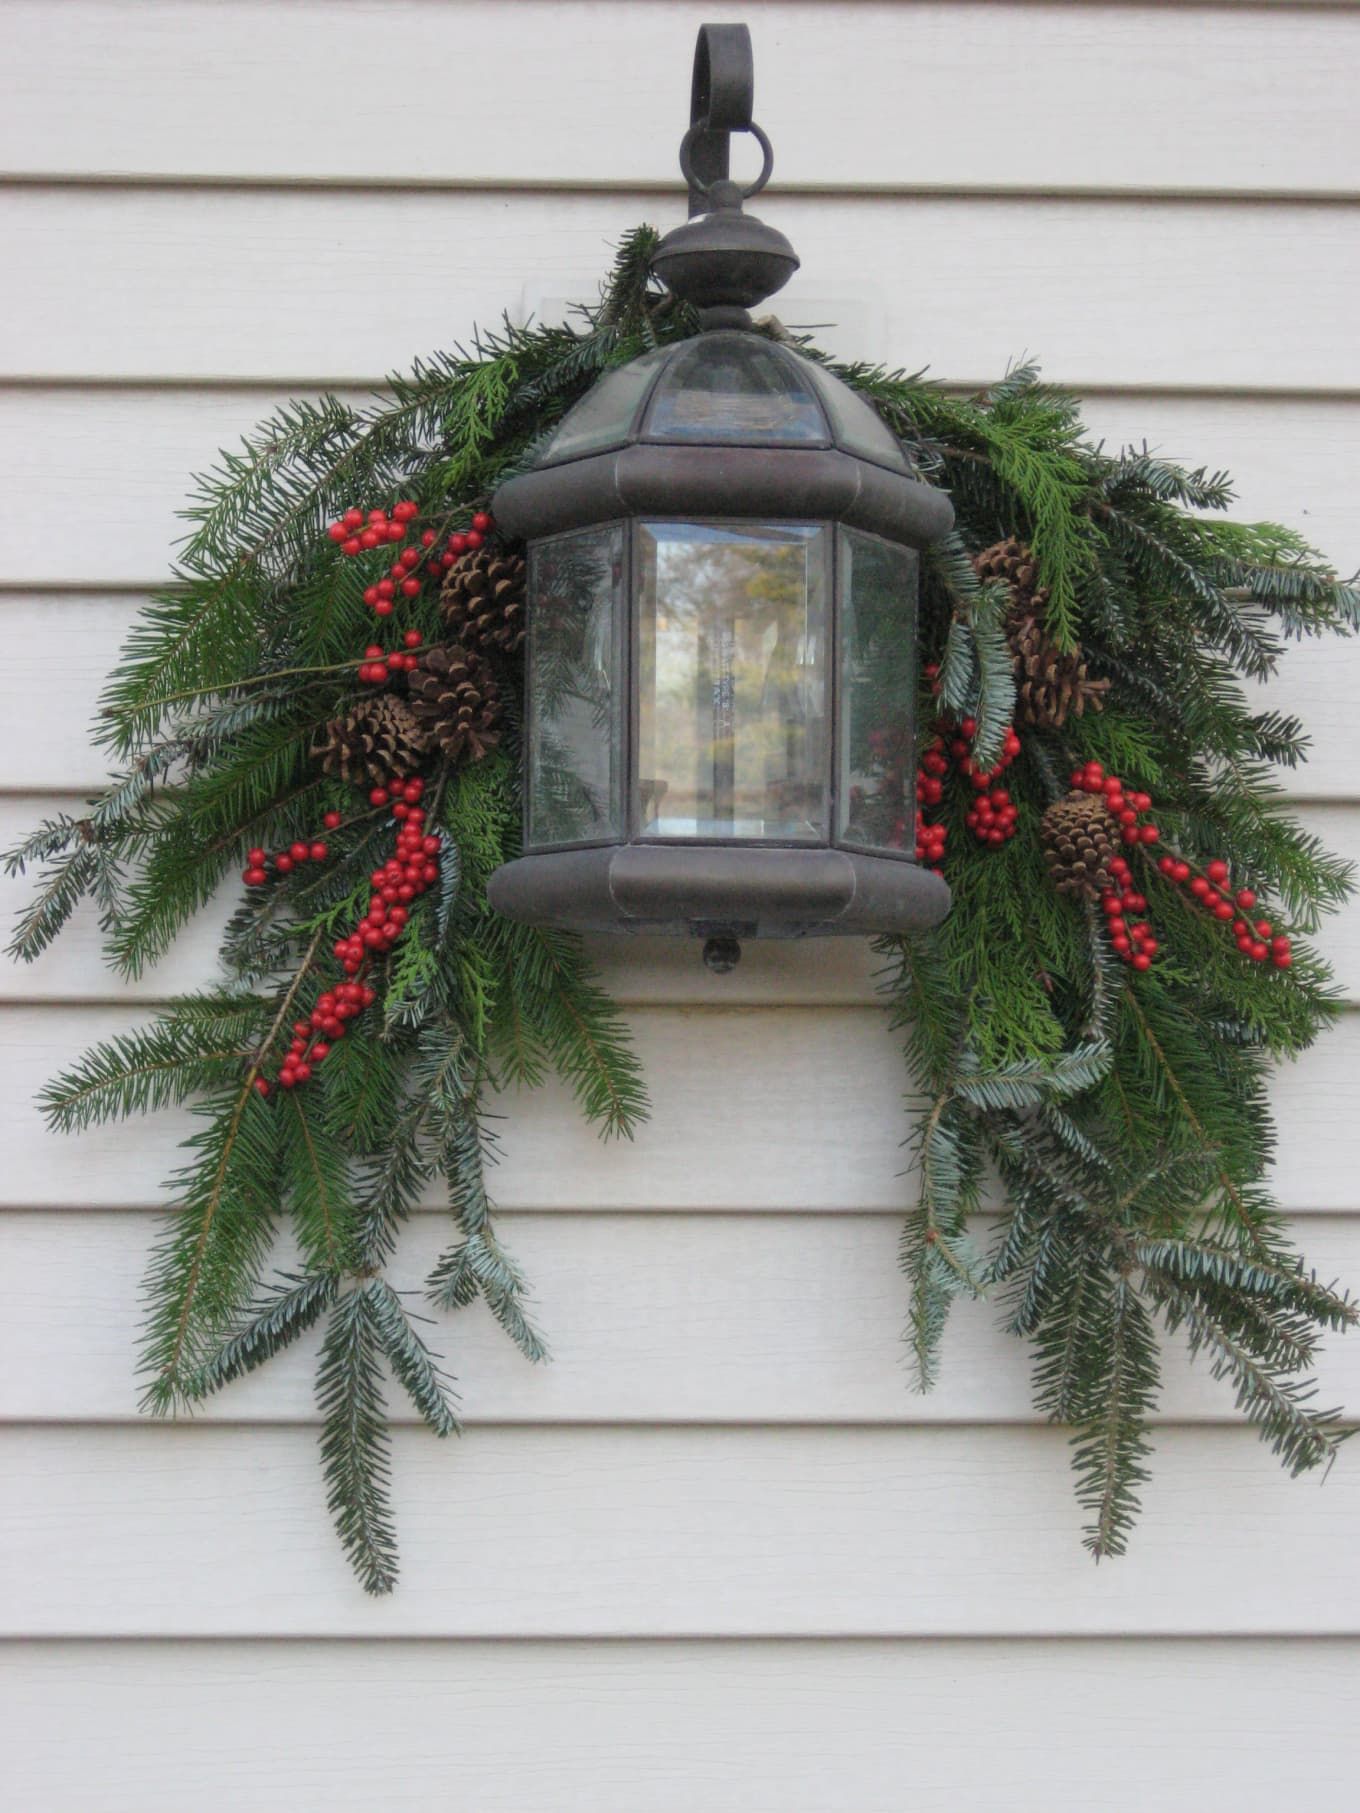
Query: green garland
(1125, 1109)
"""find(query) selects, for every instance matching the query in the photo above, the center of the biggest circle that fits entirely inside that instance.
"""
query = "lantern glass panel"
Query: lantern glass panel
(732, 681)
(856, 426)
(876, 767)
(576, 695)
(735, 387)
(604, 416)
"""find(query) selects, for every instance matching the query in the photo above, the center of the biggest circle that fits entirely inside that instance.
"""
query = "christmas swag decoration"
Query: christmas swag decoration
(328, 701)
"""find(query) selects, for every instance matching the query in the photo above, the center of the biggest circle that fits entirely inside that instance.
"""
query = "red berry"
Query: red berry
(353, 519)
(378, 796)
(428, 539)
(298, 852)
(1217, 871)
(473, 539)
(255, 877)
(352, 546)
(412, 638)
(377, 516)
(1246, 899)
(395, 532)
(284, 864)
(320, 1050)
(385, 588)
(337, 531)
(287, 1078)
(411, 587)
(1223, 909)
(303, 1073)
(1259, 952)
(1142, 961)
(1282, 959)
(457, 544)
(383, 608)
(318, 852)
(481, 522)
(1148, 834)
(330, 820)
(406, 510)
(261, 1087)
(1263, 928)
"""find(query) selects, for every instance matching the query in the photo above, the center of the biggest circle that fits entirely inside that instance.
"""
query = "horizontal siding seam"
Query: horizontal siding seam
(355, 183)
(594, 1425)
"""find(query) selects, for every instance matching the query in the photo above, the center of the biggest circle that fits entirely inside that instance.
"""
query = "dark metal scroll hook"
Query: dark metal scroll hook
(721, 99)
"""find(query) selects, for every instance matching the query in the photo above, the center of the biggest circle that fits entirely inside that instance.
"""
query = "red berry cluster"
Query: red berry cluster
(930, 841)
(378, 665)
(413, 868)
(1125, 909)
(992, 818)
(313, 1037)
(358, 532)
(1125, 803)
(257, 861)
(1256, 939)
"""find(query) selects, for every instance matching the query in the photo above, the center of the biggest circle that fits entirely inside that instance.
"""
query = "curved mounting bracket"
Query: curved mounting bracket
(721, 99)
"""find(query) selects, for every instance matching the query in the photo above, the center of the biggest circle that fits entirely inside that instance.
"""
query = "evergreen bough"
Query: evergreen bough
(1126, 1116)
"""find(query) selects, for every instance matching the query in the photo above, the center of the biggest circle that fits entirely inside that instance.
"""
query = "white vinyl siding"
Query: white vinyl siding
(717, 1556)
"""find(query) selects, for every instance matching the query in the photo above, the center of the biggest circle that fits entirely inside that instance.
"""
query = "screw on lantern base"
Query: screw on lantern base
(722, 953)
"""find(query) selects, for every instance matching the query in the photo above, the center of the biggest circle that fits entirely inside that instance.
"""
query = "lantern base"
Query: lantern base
(707, 890)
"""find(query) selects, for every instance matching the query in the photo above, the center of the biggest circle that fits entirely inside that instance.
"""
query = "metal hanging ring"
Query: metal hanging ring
(703, 188)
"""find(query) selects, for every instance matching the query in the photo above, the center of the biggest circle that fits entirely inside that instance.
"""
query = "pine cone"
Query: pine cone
(455, 700)
(381, 740)
(1050, 684)
(482, 600)
(1080, 840)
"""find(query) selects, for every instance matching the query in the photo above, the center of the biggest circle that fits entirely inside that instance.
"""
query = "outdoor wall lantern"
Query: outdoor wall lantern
(723, 544)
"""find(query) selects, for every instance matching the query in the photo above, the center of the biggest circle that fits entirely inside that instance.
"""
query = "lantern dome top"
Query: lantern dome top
(724, 388)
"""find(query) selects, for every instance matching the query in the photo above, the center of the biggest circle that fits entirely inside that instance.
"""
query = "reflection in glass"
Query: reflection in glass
(575, 792)
(735, 387)
(732, 687)
(876, 767)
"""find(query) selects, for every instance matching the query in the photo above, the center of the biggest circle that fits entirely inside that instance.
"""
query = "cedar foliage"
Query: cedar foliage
(1127, 1117)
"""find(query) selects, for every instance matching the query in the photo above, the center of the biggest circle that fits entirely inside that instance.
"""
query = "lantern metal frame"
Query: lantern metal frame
(736, 886)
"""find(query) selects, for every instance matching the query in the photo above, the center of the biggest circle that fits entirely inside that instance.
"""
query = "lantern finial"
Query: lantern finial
(722, 261)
